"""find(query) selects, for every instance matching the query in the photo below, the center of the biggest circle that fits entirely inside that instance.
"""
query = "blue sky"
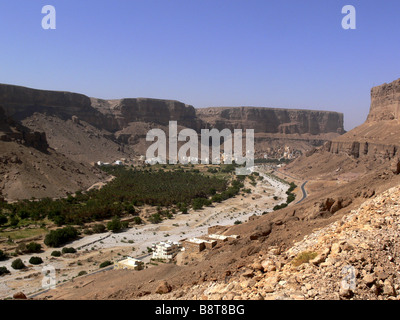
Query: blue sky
(286, 54)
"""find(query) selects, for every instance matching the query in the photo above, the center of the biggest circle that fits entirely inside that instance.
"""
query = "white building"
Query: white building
(166, 250)
(129, 263)
(218, 237)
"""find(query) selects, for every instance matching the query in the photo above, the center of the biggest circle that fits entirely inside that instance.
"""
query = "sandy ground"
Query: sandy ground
(94, 249)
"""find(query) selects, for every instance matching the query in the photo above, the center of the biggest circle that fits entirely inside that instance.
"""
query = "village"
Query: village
(166, 251)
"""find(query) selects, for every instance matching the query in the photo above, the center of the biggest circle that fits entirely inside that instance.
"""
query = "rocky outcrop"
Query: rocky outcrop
(385, 102)
(379, 136)
(11, 130)
(356, 258)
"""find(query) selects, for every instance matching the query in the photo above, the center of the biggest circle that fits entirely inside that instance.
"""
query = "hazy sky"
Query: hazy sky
(286, 53)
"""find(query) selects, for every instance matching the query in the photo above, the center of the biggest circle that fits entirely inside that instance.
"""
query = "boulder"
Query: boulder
(163, 288)
(19, 296)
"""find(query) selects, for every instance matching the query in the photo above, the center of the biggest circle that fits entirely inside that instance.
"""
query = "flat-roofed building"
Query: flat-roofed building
(129, 263)
(218, 237)
(194, 245)
(210, 243)
(166, 250)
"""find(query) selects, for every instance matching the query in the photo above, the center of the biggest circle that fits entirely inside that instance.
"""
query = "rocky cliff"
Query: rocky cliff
(11, 130)
(385, 102)
(20, 103)
(273, 120)
(379, 136)
(114, 115)
(157, 111)
(125, 122)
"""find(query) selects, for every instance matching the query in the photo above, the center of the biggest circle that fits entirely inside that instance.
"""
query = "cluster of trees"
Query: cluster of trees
(130, 189)
(290, 197)
(3, 271)
(3, 255)
(59, 237)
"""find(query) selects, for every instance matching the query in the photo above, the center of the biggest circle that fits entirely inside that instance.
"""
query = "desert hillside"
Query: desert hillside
(90, 129)
(30, 168)
(340, 242)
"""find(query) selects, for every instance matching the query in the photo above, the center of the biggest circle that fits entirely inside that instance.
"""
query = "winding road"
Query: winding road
(304, 192)
(302, 187)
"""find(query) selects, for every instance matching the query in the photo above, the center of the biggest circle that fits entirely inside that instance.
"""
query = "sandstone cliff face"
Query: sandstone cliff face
(21, 102)
(272, 120)
(114, 115)
(126, 121)
(157, 111)
(11, 130)
(379, 136)
(385, 102)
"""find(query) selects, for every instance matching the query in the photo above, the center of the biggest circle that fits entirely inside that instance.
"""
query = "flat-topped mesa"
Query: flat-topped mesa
(385, 102)
(273, 120)
(158, 111)
(379, 136)
(21, 102)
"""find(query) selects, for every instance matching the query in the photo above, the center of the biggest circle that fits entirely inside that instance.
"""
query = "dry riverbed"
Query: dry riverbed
(97, 248)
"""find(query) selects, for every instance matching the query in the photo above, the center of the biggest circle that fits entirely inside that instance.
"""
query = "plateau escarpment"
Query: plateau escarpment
(121, 125)
(273, 120)
(379, 137)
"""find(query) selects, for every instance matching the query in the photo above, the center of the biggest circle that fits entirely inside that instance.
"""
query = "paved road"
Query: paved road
(304, 192)
(302, 187)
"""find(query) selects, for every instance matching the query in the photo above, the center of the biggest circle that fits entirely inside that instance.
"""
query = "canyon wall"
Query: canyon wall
(379, 136)
(115, 115)
(273, 120)
(385, 102)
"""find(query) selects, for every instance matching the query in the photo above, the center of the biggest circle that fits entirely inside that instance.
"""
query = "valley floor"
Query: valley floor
(94, 249)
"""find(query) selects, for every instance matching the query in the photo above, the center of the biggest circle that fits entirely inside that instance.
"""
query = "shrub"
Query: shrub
(114, 225)
(105, 264)
(238, 222)
(3, 271)
(17, 264)
(155, 218)
(33, 247)
(82, 273)
(124, 224)
(35, 260)
(56, 254)
(99, 228)
(184, 210)
(217, 198)
(14, 221)
(291, 197)
(88, 231)
(137, 220)
(303, 257)
(281, 206)
(3, 219)
(3, 255)
(57, 238)
(68, 250)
